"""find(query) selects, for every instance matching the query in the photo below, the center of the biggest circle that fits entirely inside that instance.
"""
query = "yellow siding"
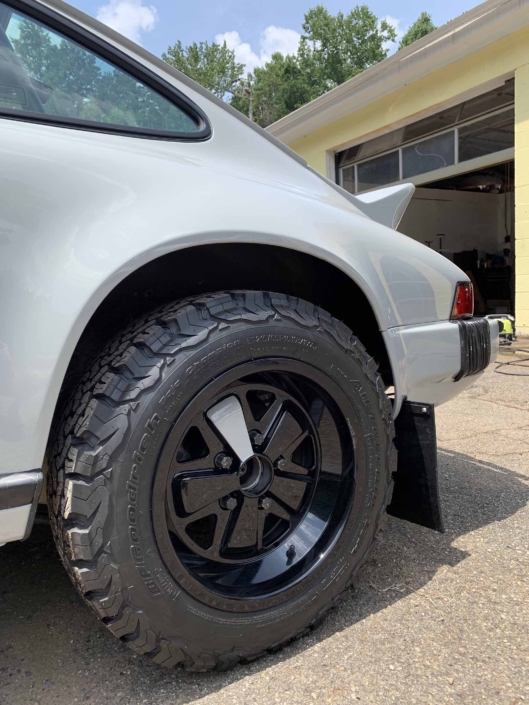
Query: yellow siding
(521, 195)
(522, 283)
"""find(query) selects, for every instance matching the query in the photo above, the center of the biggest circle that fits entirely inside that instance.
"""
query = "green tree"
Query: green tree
(422, 26)
(277, 89)
(212, 65)
(333, 49)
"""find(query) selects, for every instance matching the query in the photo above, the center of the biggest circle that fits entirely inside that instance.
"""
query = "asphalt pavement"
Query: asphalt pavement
(435, 618)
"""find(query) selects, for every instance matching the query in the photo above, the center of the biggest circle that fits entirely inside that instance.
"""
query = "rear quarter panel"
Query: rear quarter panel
(81, 210)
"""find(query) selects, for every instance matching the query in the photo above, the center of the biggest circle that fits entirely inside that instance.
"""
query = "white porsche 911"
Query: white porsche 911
(221, 365)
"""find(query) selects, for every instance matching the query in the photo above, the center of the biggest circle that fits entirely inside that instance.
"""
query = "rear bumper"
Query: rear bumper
(434, 362)
(19, 496)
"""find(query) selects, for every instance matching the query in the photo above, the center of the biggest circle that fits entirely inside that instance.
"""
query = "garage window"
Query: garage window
(428, 155)
(376, 172)
(486, 136)
(460, 134)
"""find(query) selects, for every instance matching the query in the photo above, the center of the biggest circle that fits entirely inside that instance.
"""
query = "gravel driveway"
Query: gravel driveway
(436, 618)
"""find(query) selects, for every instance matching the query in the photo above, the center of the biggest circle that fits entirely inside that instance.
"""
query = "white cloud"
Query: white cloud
(129, 17)
(243, 51)
(276, 39)
(273, 39)
(400, 27)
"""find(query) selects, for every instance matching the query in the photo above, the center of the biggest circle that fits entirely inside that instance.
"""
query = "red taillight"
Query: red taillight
(464, 301)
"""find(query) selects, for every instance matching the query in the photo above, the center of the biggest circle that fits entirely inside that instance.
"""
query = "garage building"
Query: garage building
(450, 114)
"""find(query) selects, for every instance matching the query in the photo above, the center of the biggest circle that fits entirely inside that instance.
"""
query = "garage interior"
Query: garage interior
(469, 218)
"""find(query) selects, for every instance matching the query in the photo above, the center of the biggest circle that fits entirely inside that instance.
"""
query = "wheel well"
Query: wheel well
(208, 268)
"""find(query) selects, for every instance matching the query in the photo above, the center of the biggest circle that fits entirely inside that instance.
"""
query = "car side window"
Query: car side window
(43, 72)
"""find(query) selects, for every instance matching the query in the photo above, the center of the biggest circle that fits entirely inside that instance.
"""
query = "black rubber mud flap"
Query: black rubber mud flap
(416, 493)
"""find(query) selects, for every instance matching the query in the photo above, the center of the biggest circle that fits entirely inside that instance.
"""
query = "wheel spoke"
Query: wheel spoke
(264, 423)
(288, 491)
(197, 492)
(213, 442)
(217, 545)
(287, 453)
(261, 517)
(244, 532)
(286, 436)
(208, 510)
(228, 418)
(178, 525)
(276, 510)
(290, 468)
(214, 447)
(206, 463)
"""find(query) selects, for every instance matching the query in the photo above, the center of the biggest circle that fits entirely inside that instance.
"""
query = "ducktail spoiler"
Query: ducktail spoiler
(385, 205)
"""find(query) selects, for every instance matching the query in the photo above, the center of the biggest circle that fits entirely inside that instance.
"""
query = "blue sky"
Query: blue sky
(254, 28)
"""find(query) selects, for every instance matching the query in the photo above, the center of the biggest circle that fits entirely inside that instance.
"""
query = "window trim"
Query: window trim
(133, 68)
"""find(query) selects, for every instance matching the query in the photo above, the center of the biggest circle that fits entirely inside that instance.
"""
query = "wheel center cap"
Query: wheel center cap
(256, 475)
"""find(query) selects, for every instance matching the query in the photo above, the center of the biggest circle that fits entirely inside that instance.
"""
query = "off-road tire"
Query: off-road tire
(91, 461)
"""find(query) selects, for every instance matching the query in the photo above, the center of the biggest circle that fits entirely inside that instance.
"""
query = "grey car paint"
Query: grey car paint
(80, 210)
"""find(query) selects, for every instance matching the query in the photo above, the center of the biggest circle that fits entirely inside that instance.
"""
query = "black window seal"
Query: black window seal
(104, 50)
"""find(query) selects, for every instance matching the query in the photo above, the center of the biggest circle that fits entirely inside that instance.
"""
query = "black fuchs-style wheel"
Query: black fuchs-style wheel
(221, 475)
(252, 488)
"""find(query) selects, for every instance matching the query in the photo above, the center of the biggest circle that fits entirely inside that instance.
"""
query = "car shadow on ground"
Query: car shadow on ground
(52, 647)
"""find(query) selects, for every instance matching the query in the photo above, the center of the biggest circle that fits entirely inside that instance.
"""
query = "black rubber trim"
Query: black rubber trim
(20, 489)
(133, 68)
(474, 334)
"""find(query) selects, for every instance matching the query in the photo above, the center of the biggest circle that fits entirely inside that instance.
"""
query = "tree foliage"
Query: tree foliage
(333, 49)
(277, 88)
(212, 65)
(337, 47)
(422, 26)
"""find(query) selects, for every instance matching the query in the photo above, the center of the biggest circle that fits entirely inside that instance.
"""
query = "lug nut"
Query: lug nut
(223, 461)
(291, 551)
(257, 438)
(265, 503)
(282, 464)
(228, 502)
